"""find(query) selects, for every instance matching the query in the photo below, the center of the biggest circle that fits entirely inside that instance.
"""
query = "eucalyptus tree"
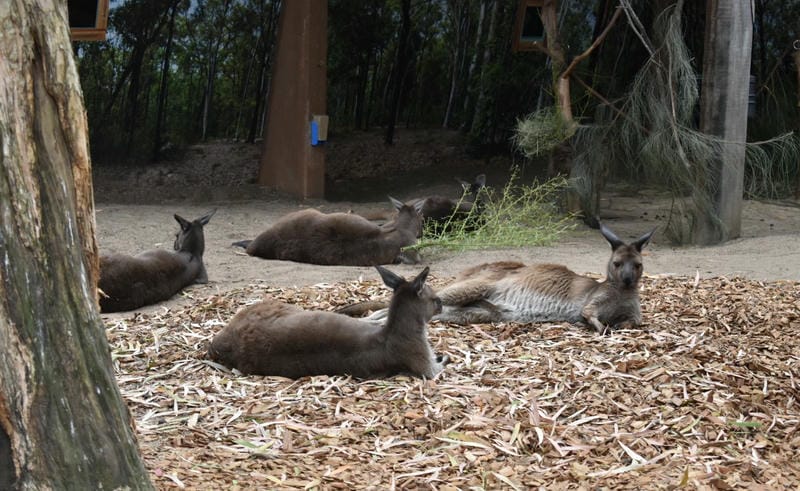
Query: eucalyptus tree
(63, 422)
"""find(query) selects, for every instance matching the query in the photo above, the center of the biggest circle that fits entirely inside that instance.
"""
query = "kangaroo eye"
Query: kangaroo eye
(617, 264)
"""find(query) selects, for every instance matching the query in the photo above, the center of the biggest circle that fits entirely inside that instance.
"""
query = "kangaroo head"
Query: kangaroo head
(409, 216)
(414, 295)
(190, 237)
(473, 188)
(625, 265)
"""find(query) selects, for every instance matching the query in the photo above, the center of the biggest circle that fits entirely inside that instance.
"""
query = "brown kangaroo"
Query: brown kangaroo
(309, 236)
(274, 338)
(129, 282)
(514, 292)
(441, 212)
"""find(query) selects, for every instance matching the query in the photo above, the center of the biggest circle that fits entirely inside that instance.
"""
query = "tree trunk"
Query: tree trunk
(460, 19)
(399, 75)
(468, 110)
(162, 91)
(257, 118)
(797, 71)
(63, 423)
(723, 113)
(212, 69)
(479, 116)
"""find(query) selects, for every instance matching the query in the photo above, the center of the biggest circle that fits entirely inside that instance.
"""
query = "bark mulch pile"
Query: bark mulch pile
(705, 395)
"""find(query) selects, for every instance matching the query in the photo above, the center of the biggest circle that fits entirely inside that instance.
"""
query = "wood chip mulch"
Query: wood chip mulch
(704, 395)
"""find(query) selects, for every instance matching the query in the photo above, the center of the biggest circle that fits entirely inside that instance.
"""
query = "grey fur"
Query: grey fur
(514, 292)
(274, 338)
(129, 282)
(309, 236)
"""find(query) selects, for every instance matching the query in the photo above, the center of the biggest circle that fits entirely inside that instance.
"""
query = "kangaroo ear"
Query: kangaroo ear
(464, 184)
(419, 282)
(389, 278)
(611, 237)
(644, 240)
(396, 203)
(418, 206)
(480, 180)
(205, 218)
(185, 224)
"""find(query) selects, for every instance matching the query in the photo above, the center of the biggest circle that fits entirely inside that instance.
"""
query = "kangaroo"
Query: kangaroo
(514, 292)
(129, 282)
(309, 236)
(274, 338)
(440, 212)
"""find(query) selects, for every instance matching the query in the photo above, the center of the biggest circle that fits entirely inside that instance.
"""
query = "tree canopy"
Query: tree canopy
(174, 72)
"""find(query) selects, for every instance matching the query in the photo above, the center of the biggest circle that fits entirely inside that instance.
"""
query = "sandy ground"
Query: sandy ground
(769, 248)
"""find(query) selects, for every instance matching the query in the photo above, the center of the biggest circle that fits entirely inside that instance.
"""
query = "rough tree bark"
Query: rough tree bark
(723, 113)
(63, 423)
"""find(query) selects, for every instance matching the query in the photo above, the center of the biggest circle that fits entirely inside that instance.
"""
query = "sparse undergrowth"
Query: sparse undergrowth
(518, 215)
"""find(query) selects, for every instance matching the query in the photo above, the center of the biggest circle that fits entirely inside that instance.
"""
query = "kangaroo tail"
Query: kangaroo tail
(242, 243)
(362, 308)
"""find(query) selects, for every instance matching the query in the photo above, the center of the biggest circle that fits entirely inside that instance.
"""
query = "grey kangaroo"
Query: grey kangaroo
(309, 236)
(274, 338)
(441, 212)
(129, 282)
(514, 292)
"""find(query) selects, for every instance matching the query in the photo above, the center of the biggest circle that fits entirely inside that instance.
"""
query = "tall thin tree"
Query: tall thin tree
(400, 68)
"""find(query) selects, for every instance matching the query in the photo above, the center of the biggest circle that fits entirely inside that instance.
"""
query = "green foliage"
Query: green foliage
(656, 141)
(222, 58)
(519, 215)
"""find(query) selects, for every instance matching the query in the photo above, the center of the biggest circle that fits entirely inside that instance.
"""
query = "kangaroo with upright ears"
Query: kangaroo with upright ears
(274, 338)
(440, 211)
(129, 282)
(309, 236)
(514, 292)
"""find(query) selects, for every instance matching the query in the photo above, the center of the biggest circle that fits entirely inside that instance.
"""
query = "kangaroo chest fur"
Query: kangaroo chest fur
(517, 303)
(506, 292)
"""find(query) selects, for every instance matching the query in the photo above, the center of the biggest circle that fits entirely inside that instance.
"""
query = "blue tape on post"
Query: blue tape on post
(314, 134)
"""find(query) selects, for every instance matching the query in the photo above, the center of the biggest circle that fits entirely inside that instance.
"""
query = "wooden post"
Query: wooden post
(297, 93)
(723, 113)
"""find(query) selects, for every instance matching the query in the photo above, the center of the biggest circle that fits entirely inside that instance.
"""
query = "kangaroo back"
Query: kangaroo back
(130, 282)
(272, 338)
(338, 238)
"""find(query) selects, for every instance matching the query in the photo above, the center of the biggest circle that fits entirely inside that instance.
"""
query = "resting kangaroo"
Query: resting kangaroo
(274, 338)
(130, 282)
(440, 211)
(309, 236)
(514, 292)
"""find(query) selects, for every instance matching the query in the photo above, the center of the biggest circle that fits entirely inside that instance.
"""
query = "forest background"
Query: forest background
(178, 72)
